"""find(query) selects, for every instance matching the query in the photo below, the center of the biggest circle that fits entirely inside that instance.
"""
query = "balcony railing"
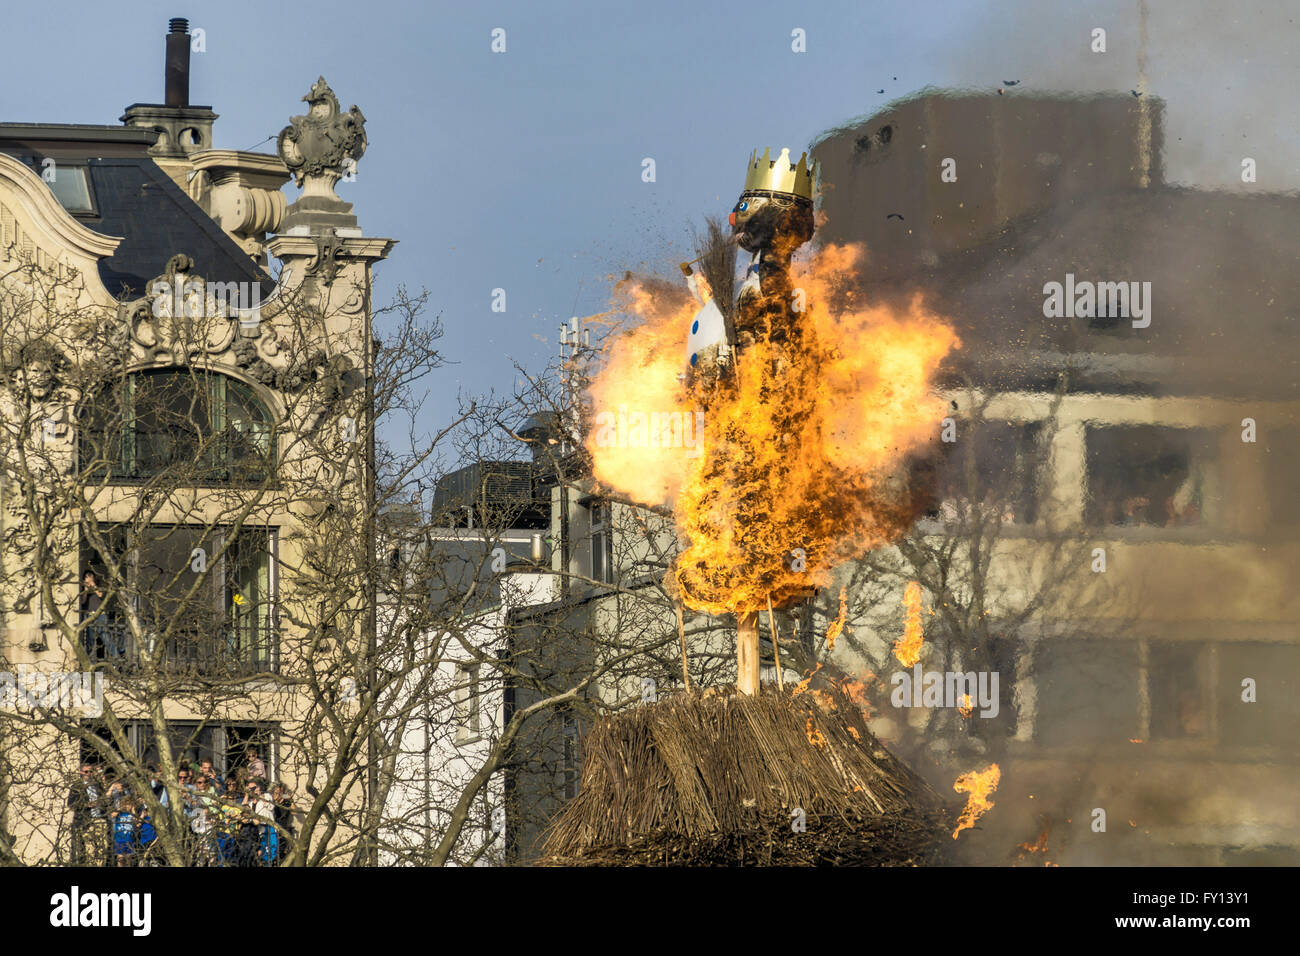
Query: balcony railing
(236, 649)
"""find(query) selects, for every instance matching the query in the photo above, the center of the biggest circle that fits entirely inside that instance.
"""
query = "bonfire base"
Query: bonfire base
(899, 839)
(726, 779)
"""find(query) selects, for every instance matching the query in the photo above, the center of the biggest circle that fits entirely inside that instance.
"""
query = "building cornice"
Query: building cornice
(244, 162)
(357, 247)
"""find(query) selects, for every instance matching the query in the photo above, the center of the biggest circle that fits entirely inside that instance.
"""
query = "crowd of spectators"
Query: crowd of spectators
(230, 822)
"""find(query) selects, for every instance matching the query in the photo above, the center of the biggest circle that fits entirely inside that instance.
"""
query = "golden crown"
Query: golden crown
(781, 175)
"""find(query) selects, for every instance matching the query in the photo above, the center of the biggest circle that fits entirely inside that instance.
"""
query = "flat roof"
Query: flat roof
(77, 132)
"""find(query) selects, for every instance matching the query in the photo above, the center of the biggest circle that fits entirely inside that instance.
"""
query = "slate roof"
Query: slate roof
(138, 201)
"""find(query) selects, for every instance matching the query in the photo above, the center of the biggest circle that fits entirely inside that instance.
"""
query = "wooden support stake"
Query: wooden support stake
(681, 636)
(776, 647)
(747, 653)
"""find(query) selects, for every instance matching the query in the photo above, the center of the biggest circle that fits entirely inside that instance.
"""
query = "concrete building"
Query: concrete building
(1168, 702)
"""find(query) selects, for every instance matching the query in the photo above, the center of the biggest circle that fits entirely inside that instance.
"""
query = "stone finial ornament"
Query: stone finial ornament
(320, 147)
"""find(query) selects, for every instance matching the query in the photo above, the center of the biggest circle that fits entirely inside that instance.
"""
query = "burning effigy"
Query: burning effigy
(808, 401)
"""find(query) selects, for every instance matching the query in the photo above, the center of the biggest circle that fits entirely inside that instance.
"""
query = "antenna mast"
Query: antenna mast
(575, 346)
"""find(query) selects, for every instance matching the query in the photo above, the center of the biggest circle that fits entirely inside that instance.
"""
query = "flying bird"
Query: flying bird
(1135, 92)
(1010, 82)
(894, 215)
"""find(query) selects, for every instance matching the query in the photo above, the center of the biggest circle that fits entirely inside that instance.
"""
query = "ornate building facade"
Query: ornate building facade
(188, 460)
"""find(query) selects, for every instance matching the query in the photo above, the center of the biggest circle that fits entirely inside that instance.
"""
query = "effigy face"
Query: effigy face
(771, 226)
(766, 221)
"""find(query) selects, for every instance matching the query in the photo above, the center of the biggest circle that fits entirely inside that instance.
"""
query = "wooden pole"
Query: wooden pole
(776, 646)
(681, 636)
(747, 653)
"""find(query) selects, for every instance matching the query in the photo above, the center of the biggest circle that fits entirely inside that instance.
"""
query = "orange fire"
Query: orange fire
(640, 379)
(978, 785)
(802, 686)
(815, 736)
(798, 469)
(837, 625)
(908, 648)
(967, 706)
(1039, 845)
(855, 689)
(824, 700)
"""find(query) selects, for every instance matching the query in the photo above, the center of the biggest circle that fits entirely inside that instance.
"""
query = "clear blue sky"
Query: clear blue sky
(523, 170)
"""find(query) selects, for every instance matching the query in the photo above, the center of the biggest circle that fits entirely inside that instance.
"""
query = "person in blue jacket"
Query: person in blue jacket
(124, 833)
(148, 836)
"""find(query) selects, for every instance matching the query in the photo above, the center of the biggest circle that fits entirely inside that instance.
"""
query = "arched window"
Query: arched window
(196, 426)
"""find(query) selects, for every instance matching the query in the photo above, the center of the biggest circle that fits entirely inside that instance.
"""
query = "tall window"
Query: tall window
(199, 426)
(601, 543)
(208, 598)
(571, 778)
(468, 718)
(1178, 686)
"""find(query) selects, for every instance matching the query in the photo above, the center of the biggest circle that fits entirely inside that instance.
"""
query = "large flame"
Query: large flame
(977, 785)
(799, 466)
(908, 648)
(640, 378)
(837, 625)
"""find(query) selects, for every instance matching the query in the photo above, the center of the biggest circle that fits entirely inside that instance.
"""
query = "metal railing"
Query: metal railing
(234, 649)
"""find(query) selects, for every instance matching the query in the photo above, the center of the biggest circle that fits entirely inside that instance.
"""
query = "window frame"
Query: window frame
(601, 540)
(83, 167)
(1202, 467)
(571, 769)
(124, 439)
(218, 586)
(467, 703)
(1026, 476)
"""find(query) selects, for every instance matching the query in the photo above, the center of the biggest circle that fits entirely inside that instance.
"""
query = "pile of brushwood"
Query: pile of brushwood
(723, 779)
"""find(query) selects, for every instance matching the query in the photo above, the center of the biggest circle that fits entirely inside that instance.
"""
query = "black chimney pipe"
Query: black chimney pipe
(178, 63)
